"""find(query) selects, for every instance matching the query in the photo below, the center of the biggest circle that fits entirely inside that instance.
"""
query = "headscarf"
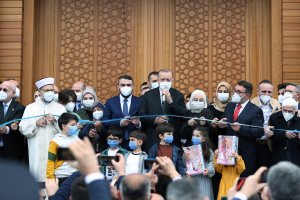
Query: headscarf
(192, 97)
(216, 102)
(89, 90)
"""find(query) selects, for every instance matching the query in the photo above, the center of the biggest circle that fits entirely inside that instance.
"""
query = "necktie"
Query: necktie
(5, 109)
(79, 105)
(125, 113)
(125, 108)
(236, 112)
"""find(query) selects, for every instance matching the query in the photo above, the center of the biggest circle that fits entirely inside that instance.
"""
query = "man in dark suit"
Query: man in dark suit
(242, 111)
(11, 140)
(126, 106)
(163, 100)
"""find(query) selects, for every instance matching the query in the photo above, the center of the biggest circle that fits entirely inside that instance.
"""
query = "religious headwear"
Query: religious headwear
(290, 102)
(44, 81)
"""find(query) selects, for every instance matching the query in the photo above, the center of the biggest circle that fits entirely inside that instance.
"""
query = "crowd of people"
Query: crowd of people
(154, 127)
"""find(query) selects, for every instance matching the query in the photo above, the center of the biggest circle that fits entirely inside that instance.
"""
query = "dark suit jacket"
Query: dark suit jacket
(99, 189)
(284, 148)
(151, 105)
(113, 110)
(14, 141)
(251, 115)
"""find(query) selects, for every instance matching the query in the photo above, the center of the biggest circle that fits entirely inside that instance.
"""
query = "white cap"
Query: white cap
(290, 102)
(44, 81)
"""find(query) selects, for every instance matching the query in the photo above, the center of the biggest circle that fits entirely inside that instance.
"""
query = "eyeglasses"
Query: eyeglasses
(4, 89)
(123, 85)
(290, 91)
(239, 92)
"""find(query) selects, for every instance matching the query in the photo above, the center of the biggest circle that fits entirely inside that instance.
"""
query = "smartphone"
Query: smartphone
(148, 163)
(240, 183)
(263, 177)
(64, 154)
(106, 160)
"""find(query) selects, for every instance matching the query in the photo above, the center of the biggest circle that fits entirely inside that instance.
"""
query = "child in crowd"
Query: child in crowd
(114, 138)
(229, 173)
(200, 136)
(135, 159)
(166, 148)
(60, 169)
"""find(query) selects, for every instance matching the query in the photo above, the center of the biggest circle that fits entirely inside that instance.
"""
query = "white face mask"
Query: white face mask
(236, 98)
(265, 99)
(280, 98)
(154, 85)
(287, 116)
(197, 105)
(55, 97)
(48, 96)
(88, 103)
(98, 114)
(165, 85)
(78, 96)
(223, 97)
(287, 95)
(70, 106)
(126, 91)
(17, 94)
(3, 95)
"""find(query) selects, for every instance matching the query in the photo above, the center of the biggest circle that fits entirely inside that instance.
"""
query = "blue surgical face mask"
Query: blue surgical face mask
(196, 140)
(133, 145)
(168, 139)
(113, 143)
(73, 130)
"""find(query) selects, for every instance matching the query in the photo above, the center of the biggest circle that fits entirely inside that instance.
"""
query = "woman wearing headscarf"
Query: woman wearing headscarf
(197, 109)
(223, 96)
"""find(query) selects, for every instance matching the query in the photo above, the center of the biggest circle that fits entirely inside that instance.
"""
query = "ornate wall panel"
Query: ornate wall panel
(191, 45)
(95, 40)
(113, 44)
(228, 41)
(77, 42)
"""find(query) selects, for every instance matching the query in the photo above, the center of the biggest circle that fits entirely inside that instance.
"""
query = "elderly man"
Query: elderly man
(162, 101)
(11, 140)
(268, 105)
(286, 144)
(292, 90)
(40, 130)
(78, 87)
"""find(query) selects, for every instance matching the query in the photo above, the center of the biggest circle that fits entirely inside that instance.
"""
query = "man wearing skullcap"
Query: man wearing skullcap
(40, 130)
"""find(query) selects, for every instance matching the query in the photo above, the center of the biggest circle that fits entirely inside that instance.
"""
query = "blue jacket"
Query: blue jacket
(176, 157)
(113, 110)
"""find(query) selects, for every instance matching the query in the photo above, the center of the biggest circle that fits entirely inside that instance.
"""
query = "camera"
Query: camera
(148, 163)
(106, 160)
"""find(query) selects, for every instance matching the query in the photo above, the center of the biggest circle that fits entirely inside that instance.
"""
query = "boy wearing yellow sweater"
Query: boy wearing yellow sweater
(60, 169)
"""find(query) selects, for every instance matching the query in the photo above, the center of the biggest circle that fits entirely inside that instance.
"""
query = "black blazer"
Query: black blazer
(14, 141)
(251, 115)
(151, 105)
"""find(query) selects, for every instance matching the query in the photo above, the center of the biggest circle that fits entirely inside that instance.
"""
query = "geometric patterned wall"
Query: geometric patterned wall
(97, 39)
(95, 43)
(210, 43)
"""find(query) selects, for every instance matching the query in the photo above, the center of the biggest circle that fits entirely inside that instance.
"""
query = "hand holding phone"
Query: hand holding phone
(64, 154)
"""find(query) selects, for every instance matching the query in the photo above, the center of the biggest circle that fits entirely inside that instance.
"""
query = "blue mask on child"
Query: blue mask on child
(133, 145)
(168, 139)
(196, 140)
(113, 143)
(73, 130)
